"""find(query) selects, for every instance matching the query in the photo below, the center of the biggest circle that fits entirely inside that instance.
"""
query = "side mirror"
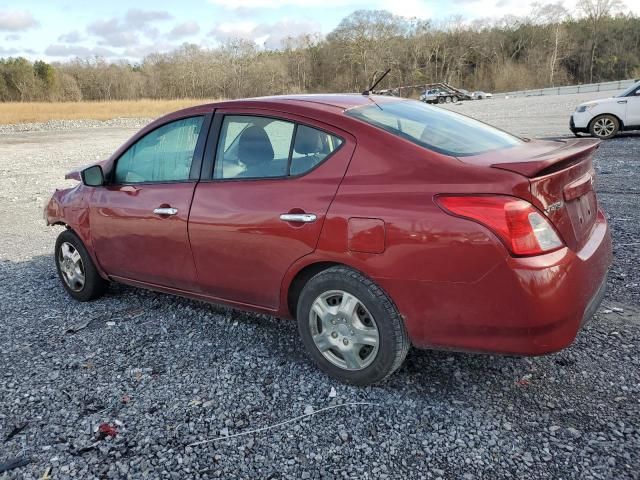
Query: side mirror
(93, 176)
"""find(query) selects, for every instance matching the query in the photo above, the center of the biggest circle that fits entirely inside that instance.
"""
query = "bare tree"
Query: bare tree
(596, 12)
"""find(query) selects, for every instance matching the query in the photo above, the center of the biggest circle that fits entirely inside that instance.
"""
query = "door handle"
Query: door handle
(165, 211)
(622, 101)
(299, 217)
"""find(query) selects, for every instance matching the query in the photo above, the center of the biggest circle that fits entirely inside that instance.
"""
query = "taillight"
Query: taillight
(520, 226)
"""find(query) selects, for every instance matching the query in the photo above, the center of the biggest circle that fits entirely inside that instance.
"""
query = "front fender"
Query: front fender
(70, 207)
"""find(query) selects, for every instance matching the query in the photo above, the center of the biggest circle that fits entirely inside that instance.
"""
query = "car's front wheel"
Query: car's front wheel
(604, 126)
(350, 327)
(76, 269)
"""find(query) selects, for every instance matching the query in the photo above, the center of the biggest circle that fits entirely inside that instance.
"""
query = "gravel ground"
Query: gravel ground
(165, 372)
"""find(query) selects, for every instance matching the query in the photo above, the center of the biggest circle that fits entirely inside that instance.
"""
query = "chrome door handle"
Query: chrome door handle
(165, 211)
(622, 101)
(298, 217)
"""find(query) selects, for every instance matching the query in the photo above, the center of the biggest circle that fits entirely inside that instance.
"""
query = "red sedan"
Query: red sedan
(376, 222)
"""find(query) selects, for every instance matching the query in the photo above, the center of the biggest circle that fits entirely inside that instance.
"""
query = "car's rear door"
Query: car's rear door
(263, 205)
(139, 219)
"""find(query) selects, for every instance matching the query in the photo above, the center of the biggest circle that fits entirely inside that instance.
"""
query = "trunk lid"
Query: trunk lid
(561, 178)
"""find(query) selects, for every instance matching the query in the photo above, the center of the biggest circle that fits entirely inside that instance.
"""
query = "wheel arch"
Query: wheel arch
(300, 279)
(620, 122)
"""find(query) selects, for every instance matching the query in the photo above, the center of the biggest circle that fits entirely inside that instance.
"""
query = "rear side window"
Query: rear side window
(435, 128)
(310, 148)
(163, 155)
(262, 147)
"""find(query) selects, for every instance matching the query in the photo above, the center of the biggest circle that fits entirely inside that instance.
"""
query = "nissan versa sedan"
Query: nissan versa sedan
(376, 222)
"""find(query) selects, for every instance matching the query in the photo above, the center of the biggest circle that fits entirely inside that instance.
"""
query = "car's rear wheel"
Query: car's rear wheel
(441, 100)
(76, 269)
(454, 99)
(604, 126)
(350, 327)
(447, 99)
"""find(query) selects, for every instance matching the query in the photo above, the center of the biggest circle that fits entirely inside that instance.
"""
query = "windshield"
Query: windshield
(629, 90)
(435, 128)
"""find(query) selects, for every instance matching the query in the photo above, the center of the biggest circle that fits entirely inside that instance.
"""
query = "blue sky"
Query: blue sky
(56, 30)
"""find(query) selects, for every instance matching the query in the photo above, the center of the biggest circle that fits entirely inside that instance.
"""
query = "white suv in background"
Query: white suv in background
(604, 118)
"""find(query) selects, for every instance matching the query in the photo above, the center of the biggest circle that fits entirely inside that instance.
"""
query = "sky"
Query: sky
(57, 30)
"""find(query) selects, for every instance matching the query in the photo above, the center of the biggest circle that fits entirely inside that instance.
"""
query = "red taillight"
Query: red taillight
(520, 226)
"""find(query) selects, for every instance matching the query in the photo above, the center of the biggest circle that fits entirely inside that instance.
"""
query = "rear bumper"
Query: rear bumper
(524, 306)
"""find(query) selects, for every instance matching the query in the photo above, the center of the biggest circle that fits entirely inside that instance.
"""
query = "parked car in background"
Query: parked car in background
(376, 222)
(606, 117)
(480, 95)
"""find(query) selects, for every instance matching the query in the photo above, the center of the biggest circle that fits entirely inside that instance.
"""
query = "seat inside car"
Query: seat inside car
(308, 143)
(256, 153)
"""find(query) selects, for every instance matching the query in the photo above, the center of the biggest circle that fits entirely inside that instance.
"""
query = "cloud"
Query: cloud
(11, 37)
(116, 32)
(8, 51)
(77, 51)
(408, 8)
(135, 16)
(250, 4)
(269, 35)
(184, 29)
(17, 20)
(141, 51)
(72, 37)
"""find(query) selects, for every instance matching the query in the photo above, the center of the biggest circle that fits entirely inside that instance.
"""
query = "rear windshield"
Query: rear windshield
(435, 128)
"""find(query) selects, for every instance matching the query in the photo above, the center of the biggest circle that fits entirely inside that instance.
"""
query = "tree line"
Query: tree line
(549, 47)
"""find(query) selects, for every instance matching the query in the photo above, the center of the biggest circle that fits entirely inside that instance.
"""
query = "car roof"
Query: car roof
(327, 102)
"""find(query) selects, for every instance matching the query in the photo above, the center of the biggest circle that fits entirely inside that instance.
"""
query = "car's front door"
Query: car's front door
(633, 109)
(264, 204)
(139, 219)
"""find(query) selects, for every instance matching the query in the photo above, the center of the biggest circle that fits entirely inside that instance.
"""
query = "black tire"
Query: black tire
(392, 341)
(94, 285)
(454, 99)
(441, 100)
(604, 126)
(448, 99)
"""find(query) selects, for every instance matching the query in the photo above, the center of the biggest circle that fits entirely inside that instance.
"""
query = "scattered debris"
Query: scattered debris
(308, 410)
(86, 449)
(333, 393)
(125, 399)
(78, 326)
(16, 430)
(225, 431)
(14, 463)
(46, 474)
(106, 430)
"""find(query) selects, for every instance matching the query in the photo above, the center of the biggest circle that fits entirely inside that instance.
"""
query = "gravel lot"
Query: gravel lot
(167, 372)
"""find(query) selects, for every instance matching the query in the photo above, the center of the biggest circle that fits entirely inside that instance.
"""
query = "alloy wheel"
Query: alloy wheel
(71, 267)
(343, 330)
(603, 127)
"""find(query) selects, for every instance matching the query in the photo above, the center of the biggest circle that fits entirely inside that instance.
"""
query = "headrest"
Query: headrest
(307, 141)
(254, 146)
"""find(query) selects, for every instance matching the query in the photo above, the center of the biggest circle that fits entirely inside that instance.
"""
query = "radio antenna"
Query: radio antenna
(375, 84)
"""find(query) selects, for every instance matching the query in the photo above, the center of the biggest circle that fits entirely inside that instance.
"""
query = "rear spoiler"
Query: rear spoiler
(569, 153)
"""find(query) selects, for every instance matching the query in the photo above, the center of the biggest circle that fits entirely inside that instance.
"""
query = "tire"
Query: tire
(604, 126)
(454, 99)
(76, 270)
(441, 100)
(354, 310)
(448, 99)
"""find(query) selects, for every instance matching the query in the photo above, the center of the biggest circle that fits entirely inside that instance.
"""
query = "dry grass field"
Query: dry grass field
(17, 112)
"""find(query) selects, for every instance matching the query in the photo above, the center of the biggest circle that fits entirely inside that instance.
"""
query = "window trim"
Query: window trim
(211, 152)
(196, 160)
